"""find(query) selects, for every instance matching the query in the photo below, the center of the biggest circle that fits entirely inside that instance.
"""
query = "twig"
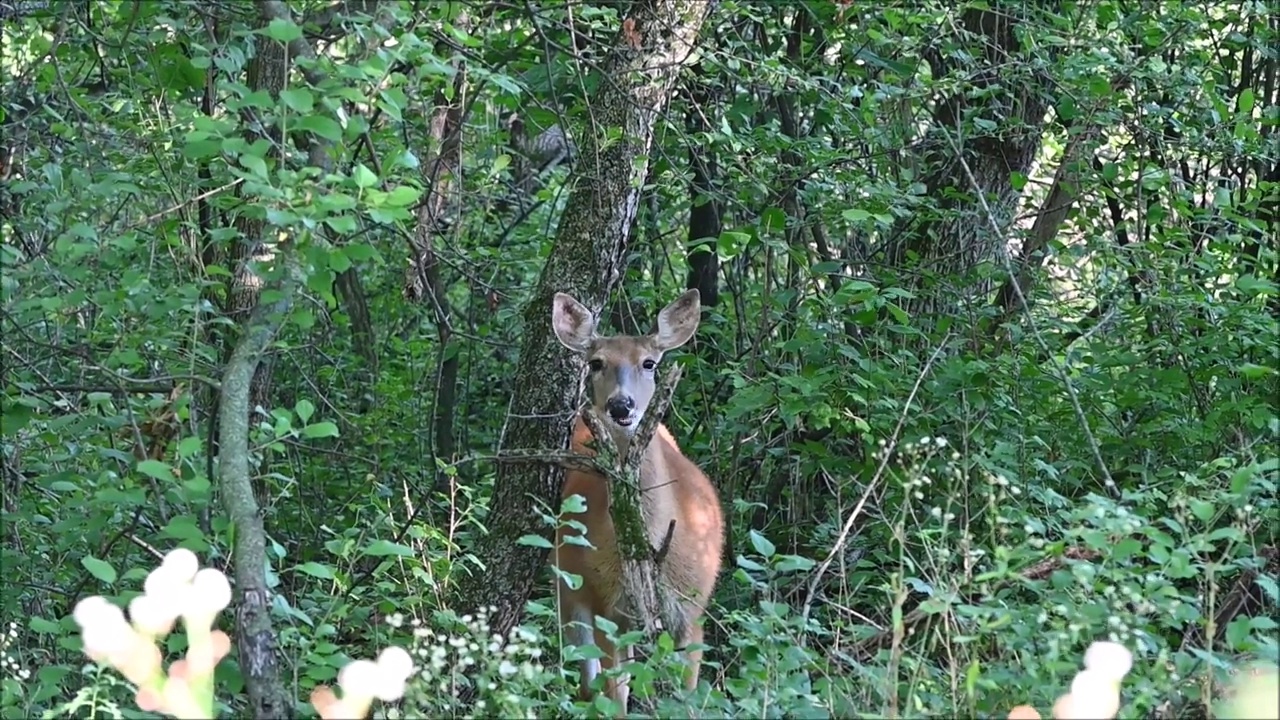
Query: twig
(875, 480)
(1108, 482)
(652, 417)
(202, 196)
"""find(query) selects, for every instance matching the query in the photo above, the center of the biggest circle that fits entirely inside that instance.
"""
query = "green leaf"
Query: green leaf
(325, 127)
(403, 196)
(363, 176)
(383, 548)
(157, 470)
(316, 570)
(202, 149)
(731, 243)
(1245, 100)
(773, 220)
(762, 544)
(43, 626)
(283, 30)
(189, 446)
(574, 504)
(298, 100)
(255, 165)
(500, 163)
(359, 252)
(16, 416)
(338, 261)
(304, 409)
(898, 313)
(320, 430)
(1269, 586)
(342, 224)
(855, 215)
(100, 569)
(1203, 510)
(536, 541)
(793, 563)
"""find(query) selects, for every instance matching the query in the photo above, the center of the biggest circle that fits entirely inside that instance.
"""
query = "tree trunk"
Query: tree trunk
(255, 636)
(586, 257)
(424, 281)
(245, 385)
(996, 134)
(267, 71)
(704, 208)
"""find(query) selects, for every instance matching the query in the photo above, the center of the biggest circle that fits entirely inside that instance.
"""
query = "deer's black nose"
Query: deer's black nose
(620, 407)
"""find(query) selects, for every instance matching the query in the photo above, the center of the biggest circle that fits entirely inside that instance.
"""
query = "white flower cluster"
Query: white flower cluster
(476, 653)
(9, 665)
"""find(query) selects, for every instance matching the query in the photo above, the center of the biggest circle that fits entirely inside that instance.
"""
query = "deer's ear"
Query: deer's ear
(573, 324)
(678, 321)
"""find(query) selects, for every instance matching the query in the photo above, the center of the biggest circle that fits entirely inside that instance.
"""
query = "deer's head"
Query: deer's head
(623, 367)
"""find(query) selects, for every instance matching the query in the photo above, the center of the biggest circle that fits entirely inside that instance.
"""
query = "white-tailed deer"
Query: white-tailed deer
(622, 382)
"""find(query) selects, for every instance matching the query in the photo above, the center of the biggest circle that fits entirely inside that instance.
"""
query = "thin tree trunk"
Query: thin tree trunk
(267, 71)
(586, 258)
(424, 281)
(245, 385)
(704, 208)
(255, 635)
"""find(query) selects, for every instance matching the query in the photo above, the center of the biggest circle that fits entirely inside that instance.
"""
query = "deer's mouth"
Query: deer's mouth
(624, 422)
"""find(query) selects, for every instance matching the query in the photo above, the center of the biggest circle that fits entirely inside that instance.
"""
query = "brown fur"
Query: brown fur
(672, 488)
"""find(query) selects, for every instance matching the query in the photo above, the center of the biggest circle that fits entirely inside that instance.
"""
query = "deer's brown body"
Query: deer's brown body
(672, 488)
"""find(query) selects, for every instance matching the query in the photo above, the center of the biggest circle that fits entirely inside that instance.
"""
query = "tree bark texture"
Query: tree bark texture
(268, 70)
(656, 38)
(255, 637)
(997, 133)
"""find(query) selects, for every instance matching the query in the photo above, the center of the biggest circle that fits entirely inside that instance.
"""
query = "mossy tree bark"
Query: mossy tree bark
(655, 40)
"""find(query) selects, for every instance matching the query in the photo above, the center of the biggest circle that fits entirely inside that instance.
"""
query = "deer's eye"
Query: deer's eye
(596, 365)
(649, 364)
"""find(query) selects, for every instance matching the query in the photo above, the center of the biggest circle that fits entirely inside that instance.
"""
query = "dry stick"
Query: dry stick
(1058, 371)
(875, 480)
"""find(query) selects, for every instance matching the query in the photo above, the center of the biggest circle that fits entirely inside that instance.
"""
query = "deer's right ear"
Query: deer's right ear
(573, 324)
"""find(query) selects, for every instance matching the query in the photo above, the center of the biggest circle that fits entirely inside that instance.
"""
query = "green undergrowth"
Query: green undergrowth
(980, 600)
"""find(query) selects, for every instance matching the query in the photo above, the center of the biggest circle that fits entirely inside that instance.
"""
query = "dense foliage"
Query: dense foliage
(987, 371)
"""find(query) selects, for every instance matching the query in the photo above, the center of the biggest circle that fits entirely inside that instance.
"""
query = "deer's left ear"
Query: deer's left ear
(678, 321)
